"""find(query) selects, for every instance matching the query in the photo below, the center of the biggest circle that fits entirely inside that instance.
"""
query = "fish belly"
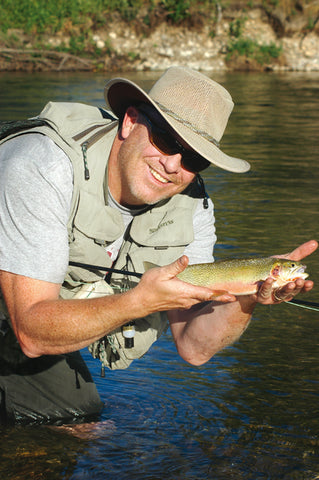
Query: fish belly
(235, 288)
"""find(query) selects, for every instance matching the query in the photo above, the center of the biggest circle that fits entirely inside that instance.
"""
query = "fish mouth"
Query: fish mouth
(300, 272)
(289, 272)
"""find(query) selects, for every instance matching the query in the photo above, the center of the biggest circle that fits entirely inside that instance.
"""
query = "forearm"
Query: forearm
(45, 324)
(58, 326)
(200, 333)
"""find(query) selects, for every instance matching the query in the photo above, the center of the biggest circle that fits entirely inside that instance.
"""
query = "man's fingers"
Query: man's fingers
(268, 295)
(285, 294)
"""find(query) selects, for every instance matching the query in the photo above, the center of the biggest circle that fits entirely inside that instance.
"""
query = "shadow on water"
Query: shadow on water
(252, 411)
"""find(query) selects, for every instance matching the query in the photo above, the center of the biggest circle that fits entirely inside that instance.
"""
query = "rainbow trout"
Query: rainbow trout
(241, 276)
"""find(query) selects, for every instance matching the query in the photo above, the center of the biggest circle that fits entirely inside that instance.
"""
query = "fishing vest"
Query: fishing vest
(158, 235)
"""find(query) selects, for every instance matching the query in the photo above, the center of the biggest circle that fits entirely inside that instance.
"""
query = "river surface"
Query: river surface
(252, 412)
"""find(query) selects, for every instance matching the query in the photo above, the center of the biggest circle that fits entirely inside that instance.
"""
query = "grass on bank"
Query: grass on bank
(245, 47)
(239, 46)
(77, 19)
(51, 16)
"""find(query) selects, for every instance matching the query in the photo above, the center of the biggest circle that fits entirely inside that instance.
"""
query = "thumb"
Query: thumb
(302, 251)
(178, 266)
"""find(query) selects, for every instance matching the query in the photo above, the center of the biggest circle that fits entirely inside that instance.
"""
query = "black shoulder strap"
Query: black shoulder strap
(13, 126)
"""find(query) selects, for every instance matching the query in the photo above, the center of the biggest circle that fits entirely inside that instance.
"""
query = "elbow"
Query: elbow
(30, 353)
(195, 358)
(197, 361)
(29, 347)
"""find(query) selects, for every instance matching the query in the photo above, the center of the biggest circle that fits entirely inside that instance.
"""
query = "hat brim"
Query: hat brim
(120, 93)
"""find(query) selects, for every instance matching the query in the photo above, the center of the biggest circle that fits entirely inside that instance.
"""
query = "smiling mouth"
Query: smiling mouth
(158, 177)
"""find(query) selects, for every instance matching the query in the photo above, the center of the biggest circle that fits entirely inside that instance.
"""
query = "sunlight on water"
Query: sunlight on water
(252, 411)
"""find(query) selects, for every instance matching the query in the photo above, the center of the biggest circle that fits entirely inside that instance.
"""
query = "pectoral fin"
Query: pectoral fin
(218, 293)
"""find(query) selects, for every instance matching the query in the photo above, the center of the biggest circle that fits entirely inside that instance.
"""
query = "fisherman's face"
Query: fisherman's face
(141, 174)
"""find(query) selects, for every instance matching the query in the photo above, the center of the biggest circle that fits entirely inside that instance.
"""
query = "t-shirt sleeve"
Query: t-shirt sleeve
(202, 248)
(36, 183)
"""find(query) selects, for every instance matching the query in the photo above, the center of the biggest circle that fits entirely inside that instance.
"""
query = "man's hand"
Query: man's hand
(160, 289)
(267, 295)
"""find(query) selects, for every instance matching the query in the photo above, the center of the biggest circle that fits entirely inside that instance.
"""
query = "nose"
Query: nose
(171, 163)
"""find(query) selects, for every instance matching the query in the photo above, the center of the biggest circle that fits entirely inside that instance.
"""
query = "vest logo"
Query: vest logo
(161, 225)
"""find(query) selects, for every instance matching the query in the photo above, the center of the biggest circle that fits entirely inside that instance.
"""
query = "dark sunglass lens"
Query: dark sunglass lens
(194, 162)
(167, 144)
(163, 141)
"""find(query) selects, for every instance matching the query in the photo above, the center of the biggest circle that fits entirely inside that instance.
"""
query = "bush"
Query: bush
(246, 47)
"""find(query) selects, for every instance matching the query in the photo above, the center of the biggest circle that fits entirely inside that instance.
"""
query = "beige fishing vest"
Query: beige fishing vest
(159, 235)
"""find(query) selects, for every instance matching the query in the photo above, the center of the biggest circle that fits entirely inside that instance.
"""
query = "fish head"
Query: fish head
(285, 271)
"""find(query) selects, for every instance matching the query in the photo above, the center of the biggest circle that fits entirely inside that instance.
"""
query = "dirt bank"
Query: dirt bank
(202, 45)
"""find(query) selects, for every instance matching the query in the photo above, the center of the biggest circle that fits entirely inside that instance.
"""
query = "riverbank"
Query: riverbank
(240, 40)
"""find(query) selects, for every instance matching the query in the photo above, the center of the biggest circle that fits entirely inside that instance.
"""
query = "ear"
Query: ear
(129, 120)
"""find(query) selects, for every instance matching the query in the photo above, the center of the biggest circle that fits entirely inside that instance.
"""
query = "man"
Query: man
(83, 190)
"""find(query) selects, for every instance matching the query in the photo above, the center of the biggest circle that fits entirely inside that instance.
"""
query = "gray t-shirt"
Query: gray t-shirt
(36, 184)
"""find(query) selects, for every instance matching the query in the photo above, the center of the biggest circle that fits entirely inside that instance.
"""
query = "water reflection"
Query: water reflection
(252, 412)
(22, 94)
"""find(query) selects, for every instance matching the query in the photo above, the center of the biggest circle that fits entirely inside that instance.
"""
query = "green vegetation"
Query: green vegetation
(240, 46)
(77, 20)
(50, 16)
(39, 16)
(245, 47)
(236, 27)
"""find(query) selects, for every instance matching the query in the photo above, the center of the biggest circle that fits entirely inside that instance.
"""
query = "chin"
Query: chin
(150, 198)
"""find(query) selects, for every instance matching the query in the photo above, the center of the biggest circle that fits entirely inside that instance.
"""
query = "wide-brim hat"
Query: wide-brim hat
(196, 107)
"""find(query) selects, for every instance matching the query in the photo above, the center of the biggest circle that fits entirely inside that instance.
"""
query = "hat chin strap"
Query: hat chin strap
(188, 124)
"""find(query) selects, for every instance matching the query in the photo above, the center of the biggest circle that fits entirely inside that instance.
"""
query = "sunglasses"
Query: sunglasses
(168, 145)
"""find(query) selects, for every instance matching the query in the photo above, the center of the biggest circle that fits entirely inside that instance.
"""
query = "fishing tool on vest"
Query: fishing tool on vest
(128, 331)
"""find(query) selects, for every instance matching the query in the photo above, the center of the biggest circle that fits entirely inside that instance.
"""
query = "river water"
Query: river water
(252, 412)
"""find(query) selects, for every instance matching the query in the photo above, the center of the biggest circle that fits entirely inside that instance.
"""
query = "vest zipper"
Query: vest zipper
(90, 141)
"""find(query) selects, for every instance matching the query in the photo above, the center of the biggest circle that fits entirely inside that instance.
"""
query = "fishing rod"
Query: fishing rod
(105, 269)
(305, 304)
(298, 303)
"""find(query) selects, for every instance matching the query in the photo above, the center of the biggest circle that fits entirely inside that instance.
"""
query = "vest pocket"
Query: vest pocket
(171, 228)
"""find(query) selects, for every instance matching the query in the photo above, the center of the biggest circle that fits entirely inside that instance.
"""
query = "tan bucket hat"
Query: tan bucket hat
(196, 107)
